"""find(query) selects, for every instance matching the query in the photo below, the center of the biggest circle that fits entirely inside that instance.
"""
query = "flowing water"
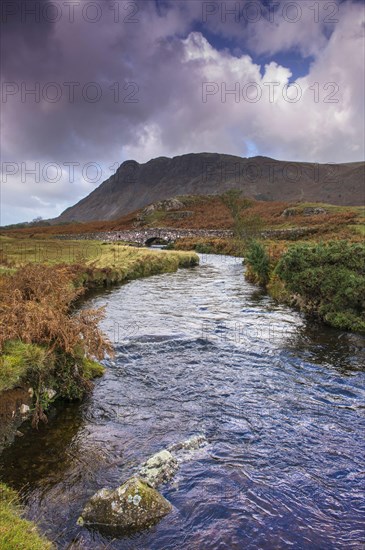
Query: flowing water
(280, 400)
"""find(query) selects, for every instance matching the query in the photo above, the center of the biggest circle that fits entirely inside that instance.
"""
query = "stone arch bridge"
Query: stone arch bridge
(150, 236)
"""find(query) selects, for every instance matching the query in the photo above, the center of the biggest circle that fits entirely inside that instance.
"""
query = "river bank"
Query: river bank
(17, 533)
(39, 368)
(324, 280)
(86, 268)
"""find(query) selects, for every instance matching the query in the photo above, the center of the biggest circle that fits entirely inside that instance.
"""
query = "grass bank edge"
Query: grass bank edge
(17, 533)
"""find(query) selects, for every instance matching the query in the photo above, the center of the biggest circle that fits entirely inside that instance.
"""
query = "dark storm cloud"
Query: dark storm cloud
(115, 80)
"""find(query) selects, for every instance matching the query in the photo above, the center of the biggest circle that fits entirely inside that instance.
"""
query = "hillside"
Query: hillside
(135, 185)
(197, 212)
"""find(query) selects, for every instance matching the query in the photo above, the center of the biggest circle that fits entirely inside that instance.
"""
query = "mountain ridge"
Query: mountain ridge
(135, 185)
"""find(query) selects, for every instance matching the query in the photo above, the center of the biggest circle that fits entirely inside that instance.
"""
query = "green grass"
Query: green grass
(17, 533)
(333, 208)
(358, 228)
(93, 254)
(15, 362)
(155, 217)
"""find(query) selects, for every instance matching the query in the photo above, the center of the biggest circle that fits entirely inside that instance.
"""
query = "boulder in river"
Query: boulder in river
(133, 506)
(160, 468)
(136, 504)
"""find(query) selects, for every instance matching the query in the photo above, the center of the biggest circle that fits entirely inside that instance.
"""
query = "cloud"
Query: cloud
(150, 76)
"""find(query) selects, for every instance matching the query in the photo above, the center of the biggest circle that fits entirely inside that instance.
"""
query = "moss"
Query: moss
(11, 372)
(92, 369)
(17, 361)
(17, 533)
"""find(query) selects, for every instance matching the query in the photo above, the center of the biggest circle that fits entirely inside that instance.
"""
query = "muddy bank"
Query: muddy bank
(14, 410)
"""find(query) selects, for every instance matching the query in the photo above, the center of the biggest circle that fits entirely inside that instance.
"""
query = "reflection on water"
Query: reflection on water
(280, 400)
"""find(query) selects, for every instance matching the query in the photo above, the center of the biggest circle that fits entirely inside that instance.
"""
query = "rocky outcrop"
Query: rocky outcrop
(166, 205)
(314, 211)
(133, 506)
(306, 211)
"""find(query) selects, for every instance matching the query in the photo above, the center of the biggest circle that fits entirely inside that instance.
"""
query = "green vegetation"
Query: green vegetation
(330, 281)
(246, 225)
(258, 259)
(325, 280)
(17, 533)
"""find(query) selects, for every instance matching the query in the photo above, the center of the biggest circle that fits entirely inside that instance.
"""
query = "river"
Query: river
(280, 400)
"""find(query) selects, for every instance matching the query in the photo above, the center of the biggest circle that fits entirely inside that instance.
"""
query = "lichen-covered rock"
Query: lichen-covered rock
(160, 468)
(195, 442)
(131, 507)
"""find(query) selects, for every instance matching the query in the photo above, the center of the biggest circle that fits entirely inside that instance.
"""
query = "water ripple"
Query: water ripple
(280, 400)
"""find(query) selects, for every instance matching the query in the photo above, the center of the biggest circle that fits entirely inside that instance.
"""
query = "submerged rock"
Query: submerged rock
(191, 444)
(162, 466)
(158, 469)
(131, 507)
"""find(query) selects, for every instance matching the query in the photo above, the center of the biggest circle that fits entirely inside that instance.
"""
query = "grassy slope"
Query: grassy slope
(124, 261)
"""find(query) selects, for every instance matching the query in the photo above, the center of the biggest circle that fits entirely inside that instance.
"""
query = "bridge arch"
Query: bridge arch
(157, 240)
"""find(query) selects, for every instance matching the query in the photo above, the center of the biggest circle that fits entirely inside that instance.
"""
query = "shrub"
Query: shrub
(35, 308)
(258, 261)
(330, 279)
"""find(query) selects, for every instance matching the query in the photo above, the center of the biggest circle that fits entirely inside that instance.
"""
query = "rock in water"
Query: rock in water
(160, 468)
(192, 444)
(131, 507)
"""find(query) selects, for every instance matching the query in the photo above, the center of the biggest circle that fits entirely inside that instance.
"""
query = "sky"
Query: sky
(86, 85)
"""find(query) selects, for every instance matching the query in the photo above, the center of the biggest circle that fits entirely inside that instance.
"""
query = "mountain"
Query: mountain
(135, 185)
